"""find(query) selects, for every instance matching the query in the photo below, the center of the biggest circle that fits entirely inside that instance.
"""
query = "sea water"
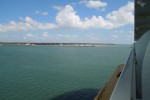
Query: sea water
(57, 73)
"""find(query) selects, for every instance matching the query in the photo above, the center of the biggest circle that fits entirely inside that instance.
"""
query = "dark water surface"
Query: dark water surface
(57, 73)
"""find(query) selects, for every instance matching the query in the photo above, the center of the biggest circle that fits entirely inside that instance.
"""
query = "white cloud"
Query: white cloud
(58, 7)
(67, 37)
(32, 37)
(41, 13)
(94, 3)
(21, 18)
(46, 37)
(93, 37)
(103, 9)
(26, 24)
(37, 12)
(123, 16)
(115, 36)
(45, 34)
(67, 18)
(58, 37)
(29, 35)
(119, 31)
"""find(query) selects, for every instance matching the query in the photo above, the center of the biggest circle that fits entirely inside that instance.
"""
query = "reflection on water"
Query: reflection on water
(82, 94)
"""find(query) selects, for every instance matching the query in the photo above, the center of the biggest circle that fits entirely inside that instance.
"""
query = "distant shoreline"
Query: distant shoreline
(55, 44)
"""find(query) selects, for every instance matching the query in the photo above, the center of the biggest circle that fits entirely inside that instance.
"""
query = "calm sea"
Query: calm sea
(57, 73)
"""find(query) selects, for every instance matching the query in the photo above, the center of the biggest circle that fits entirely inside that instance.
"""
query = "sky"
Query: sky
(67, 21)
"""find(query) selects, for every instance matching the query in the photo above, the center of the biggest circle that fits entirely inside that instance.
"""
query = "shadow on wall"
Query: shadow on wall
(82, 94)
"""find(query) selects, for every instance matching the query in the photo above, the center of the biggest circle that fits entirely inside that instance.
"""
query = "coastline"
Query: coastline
(55, 44)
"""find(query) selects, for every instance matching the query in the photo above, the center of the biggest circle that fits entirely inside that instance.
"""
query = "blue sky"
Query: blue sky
(79, 21)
